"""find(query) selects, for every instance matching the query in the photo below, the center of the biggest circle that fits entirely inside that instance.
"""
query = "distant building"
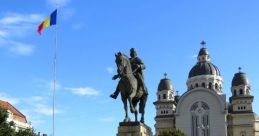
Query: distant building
(203, 110)
(40, 134)
(15, 115)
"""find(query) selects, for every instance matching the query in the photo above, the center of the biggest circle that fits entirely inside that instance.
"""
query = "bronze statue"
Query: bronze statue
(131, 84)
(137, 66)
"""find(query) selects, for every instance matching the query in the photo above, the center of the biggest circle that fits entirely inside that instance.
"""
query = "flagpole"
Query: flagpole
(54, 74)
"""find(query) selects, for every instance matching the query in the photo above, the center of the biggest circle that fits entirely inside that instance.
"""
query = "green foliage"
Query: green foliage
(7, 129)
(26, 132)
(3, 116)
(171, 132)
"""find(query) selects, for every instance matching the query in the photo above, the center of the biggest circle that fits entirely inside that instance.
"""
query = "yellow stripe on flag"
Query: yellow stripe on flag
(46, 22)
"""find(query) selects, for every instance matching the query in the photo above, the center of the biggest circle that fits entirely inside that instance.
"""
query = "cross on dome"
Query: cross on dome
(203, 43)
(165, 74)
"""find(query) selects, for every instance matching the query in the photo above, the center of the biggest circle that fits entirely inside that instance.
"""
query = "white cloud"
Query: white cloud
(21, 49)
(10, 99)
(67, 13)
(18, 19)
(14, 26)
(83, 91)
(194, 56)
(47, 84)
(44, 109)
(59, 3)
(110, 70)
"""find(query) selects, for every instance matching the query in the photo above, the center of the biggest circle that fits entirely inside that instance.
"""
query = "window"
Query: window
(243, 133)
(203, 85)
(235, 92)
(200, 119)
(210, 85)
(164, 96)
(158, 97)
(241, 92)
(196, 85)
(216, 86)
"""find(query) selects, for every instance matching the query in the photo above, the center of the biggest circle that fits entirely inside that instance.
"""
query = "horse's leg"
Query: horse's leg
(132, 109)
(135, 102)
(124, 100)
(142, 105)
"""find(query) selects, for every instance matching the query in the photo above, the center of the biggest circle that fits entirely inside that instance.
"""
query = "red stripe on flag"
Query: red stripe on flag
(40, 27)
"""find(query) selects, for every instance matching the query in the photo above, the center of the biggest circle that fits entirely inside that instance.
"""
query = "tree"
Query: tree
(171, 132)
(7, 129)
(25, 132)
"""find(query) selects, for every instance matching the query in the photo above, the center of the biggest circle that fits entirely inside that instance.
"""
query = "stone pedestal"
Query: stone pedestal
(134, 129)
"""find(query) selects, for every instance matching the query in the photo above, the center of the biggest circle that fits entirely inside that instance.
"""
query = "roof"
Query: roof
(17, 115)
(203, 51)
(240, 78)
(165, 84)
(204, 68)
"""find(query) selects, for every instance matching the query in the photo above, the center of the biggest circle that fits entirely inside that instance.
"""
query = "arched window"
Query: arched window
(242, 133)
(216, 86)
(203, 85)
(164, 96)
(200, 119)
(241, 92)
(197, 85)
(210, 85)
(159, 97)
(235, 92)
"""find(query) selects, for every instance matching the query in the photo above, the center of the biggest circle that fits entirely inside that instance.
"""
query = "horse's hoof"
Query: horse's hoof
(126, 120)
(142, 120)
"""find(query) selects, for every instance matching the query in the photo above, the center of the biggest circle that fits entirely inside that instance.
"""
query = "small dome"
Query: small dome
(204, 68)
(240, 78)
(203, 51)
(165, 84)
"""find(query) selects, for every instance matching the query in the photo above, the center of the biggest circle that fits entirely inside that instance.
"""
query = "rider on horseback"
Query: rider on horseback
(137, 66)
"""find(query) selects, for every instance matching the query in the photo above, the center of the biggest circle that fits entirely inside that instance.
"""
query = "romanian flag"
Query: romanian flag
(49, 21)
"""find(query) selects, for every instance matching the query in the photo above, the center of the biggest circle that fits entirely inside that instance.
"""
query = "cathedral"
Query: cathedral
(203, 109)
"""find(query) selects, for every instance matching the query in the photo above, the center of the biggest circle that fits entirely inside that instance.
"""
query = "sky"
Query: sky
(166, 34)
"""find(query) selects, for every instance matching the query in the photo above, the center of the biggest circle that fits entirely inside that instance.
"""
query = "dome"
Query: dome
(165, 84)
(240, 78)
(204, 68)
(203, 51)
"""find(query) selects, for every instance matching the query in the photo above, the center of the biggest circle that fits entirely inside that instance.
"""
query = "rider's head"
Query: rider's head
(133, 53)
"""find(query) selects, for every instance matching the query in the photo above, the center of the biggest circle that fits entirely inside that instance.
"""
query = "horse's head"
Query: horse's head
(123, 64)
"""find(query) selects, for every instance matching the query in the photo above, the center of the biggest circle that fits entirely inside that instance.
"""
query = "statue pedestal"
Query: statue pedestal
(134, 129)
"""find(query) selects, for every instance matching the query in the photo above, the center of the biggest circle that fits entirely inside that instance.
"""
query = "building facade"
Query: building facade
(203, 109)
(15, 115)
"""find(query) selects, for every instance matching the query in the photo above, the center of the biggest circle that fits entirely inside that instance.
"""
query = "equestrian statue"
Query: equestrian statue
(131, 84)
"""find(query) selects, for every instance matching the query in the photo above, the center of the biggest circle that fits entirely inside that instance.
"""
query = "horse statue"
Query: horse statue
(130, 91)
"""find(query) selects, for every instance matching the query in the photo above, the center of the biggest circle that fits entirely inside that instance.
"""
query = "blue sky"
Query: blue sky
(165, 33)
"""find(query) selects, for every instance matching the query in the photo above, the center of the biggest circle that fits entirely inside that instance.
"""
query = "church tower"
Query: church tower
(201, 110)
(241, 116)
(165, 106)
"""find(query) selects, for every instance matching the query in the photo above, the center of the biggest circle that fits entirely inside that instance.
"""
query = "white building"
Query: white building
(15, 115)
(203, 110)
